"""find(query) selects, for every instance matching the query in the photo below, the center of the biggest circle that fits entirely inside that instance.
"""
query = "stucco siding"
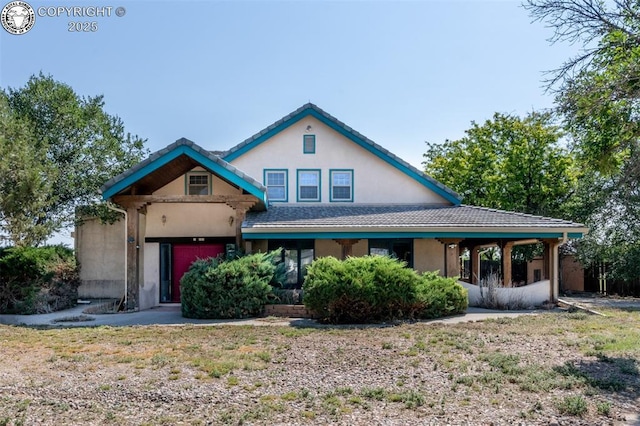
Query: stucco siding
(374, 180)
(324, 248)
(100, 252)
(190, 220)
(150, 287)
(428, 256)
(178, 186)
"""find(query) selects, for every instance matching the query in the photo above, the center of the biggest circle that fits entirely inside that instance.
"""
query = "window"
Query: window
(297, 255)
(341, 185)
(198, 184)
(276, 183)
(308, 185)
(309, 144)
(400, 248)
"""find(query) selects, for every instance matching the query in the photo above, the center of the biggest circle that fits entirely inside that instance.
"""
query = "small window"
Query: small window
(198, 184)
(341, 185)
(276, 183)
(309, 144)
(308, 185)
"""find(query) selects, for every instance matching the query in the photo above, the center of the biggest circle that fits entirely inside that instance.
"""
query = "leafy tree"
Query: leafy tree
(508, 163)
(598, 95)
(64, 147)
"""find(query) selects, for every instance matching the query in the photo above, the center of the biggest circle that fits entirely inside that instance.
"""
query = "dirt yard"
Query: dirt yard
(555, 368)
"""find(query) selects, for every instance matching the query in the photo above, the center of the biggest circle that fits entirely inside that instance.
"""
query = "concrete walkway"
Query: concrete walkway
(171, 315)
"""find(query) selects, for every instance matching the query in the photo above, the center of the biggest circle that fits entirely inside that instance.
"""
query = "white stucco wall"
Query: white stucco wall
(531, 295)
(374, 180)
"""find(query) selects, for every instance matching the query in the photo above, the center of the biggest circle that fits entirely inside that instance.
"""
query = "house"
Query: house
(308, 183)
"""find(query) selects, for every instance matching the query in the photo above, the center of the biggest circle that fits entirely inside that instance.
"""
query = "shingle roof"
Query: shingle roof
(395, 216)
(311, 109)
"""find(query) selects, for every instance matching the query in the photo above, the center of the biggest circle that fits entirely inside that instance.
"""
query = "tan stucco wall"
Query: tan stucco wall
(190, 220)
(324, 248)
(100, 252)
(572, 274)
(361, 248)
(532, 265)
(374, 180)
(428, 256)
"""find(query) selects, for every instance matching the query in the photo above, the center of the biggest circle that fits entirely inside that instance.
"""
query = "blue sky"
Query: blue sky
(216, 72)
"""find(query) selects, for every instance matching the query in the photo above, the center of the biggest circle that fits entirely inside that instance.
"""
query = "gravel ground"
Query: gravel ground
(527, 370)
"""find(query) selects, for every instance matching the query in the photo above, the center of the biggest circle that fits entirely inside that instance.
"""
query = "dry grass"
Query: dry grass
(569, 367)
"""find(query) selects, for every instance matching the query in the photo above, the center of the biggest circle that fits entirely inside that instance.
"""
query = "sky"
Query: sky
(216, 72)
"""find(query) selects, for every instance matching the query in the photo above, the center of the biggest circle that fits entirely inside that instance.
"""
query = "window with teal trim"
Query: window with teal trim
(341, 185)
(276, 183)
(308, 185)
(309, 144)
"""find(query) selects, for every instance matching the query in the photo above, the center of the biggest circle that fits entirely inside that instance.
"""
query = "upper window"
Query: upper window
(341, 185)
(309, 144)
(276, 183)
(198, 184)
(308, 185)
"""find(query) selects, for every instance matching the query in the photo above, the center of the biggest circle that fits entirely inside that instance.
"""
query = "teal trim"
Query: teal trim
(286, 184)
(201, 173)
(312, 138)
(367, 235)
(331, 199)
(319, 172)
(205, 162)
(575, 235)
(340, 128)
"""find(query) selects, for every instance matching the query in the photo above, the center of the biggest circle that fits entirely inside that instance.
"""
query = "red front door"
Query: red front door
(183, 256)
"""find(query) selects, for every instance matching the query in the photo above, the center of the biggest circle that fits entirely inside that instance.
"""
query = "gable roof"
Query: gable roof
(395, 221)
(184, 155)
(310, 109)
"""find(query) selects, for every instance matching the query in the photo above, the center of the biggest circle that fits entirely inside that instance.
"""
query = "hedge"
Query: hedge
(378, 288)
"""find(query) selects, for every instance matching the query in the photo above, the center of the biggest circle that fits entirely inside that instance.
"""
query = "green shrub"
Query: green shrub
(375, 288)
(439, 296)
(37, 279)
(238, 288)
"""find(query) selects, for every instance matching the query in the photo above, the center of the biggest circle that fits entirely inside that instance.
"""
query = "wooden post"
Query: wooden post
(347, 246)
(546, 260)
(506, 263)
(133, 290)
(241, 208)
(451, 256)
(474, 257)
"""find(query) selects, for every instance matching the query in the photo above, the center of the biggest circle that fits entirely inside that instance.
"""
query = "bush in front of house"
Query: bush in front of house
(35, 280)
(219, 288)
(378, 288)
(440, 297)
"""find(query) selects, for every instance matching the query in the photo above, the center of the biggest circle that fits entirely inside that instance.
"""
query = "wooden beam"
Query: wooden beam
(149, 199)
